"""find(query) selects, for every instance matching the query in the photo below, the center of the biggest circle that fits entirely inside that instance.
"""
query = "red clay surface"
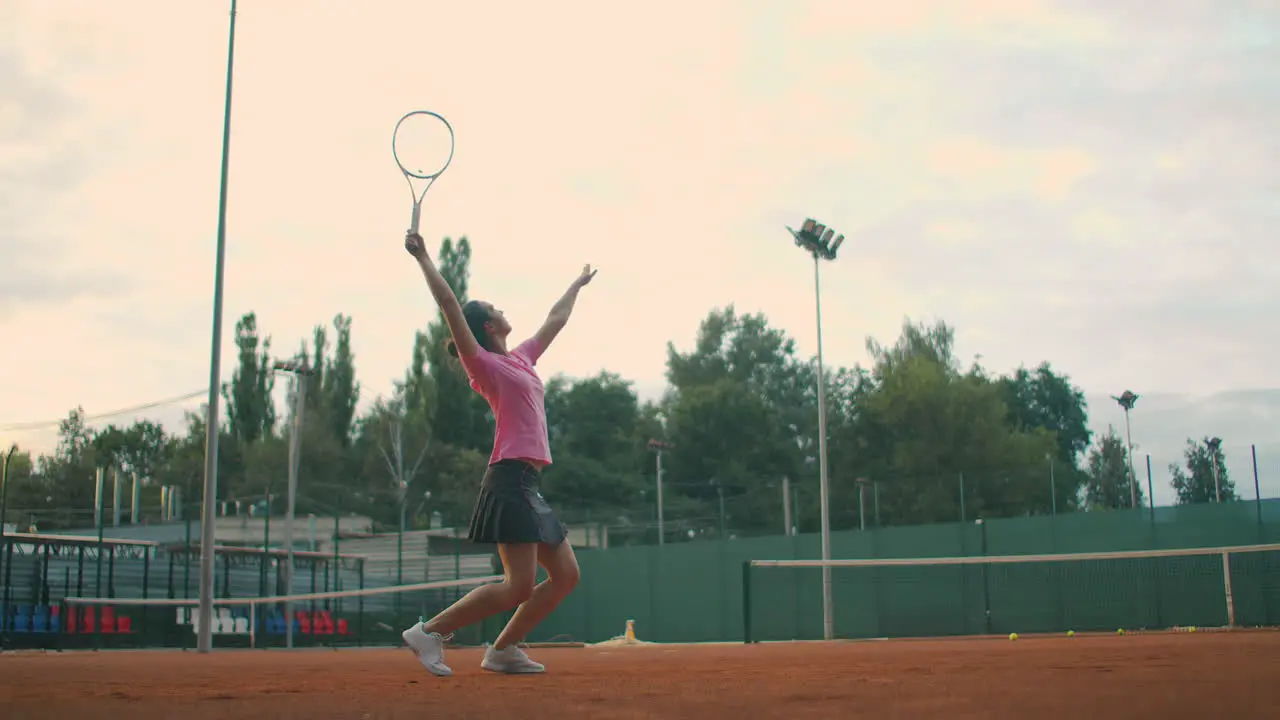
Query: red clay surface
(1200, 675)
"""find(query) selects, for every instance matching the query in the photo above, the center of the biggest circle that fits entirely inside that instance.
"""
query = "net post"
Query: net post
(1226, 587)
(360, 609)
(1257, 493)
(253, 625)
(746, 602)
(64, 608)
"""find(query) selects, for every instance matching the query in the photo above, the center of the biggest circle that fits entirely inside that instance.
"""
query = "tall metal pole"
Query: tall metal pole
(1257, 492)
(97, 520)
(295, 447)
(135, 500)
(720, 492)
(786, 506)
(1133, 477)
(204, 637)
(822, 243)
(5, 556)
(1053, 489)
(862, 507)
(1213, 444)
(4, 487)
(662, 534)
(658, 447)
(828, 619)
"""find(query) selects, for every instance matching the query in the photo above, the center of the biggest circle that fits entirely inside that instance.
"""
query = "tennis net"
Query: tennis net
(982, 595)
(366, 617)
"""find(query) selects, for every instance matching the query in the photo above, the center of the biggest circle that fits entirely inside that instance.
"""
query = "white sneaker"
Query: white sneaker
(510, 659)
(429, 649)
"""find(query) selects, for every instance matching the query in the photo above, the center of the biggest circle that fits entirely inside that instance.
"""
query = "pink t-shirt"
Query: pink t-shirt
(515, 395)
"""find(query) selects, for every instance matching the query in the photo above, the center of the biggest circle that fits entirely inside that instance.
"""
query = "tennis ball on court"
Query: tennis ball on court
(1013, 636)
(1120, 631)
(1191, 629)
(1071, 633)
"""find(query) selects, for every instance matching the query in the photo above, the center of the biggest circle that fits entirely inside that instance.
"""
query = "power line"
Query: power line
(17, 427)
(103, 416)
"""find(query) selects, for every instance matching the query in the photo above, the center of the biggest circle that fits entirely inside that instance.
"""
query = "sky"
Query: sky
(1090, 183)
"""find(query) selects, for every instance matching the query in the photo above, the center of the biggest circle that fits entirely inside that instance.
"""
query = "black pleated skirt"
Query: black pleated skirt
(510, 509)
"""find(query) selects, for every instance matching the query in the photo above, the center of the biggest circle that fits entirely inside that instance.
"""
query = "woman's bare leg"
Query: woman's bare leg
(520, 570)
(562, 576)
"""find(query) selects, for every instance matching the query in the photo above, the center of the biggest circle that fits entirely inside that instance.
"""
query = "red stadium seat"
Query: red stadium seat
(124, 624)
(343, 627)
(323, 623)
(108, 620)
(304, 621)
(86, 620)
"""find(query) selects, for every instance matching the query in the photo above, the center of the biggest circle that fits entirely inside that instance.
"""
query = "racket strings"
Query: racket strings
(423, 145)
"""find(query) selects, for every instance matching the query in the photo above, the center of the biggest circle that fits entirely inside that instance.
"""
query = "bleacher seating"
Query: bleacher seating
(305, 622)
(106, 620)
(44, 619)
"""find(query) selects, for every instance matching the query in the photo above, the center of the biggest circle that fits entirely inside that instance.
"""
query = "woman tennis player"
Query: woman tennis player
(510, 511)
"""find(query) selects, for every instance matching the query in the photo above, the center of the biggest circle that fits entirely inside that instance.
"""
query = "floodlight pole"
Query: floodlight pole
(204, 627)
(817, 241)
(4, 486)
(1213, 444)
(1127, 400)
(300, 372)
(658, 447)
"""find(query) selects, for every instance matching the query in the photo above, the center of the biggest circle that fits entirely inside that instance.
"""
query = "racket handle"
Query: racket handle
(417, 215)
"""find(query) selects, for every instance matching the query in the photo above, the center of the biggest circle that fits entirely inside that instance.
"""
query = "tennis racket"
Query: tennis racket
(422, 140)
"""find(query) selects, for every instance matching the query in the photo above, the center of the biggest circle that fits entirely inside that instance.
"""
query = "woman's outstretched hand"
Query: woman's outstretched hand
(414, 245)
(585, 277)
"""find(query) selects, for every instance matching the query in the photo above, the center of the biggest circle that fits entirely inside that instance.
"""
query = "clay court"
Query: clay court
(1133, 676)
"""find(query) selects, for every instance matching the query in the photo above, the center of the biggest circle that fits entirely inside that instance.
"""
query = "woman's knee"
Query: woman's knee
(562, 568)
(516, 591)
(520, 567)
(567, 577)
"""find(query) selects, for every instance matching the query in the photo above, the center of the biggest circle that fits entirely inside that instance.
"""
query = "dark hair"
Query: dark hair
(477, 316)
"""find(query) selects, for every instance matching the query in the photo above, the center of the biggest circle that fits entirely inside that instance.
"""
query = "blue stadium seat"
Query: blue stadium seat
(40, 619)
(22, 619)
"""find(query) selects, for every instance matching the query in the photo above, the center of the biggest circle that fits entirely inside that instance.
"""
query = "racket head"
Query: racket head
(422, 144)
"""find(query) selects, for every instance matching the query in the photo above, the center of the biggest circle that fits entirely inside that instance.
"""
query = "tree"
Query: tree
(925, 432)
(730, 440)
(1108, 484)
(139, 449)
(1044, 399)
(593, 417)
(1196, 483)
(934, 343)
(341, 391)
(392, 449)
(68, 474)
(24, 491)
(250, 409)
(741, 412)
(461, 416)
(592, 425)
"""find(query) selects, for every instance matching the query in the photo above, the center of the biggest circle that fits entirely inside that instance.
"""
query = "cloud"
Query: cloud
(1091, 183)
(1116, 185)
(42, 168)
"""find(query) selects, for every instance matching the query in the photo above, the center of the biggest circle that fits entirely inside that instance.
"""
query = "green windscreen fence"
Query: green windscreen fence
(1024, 594)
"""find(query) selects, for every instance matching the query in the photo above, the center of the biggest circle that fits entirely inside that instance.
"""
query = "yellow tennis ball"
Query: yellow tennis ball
(1120, 631)
(1071, 633)
(1013, 636)
(1193, 628)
